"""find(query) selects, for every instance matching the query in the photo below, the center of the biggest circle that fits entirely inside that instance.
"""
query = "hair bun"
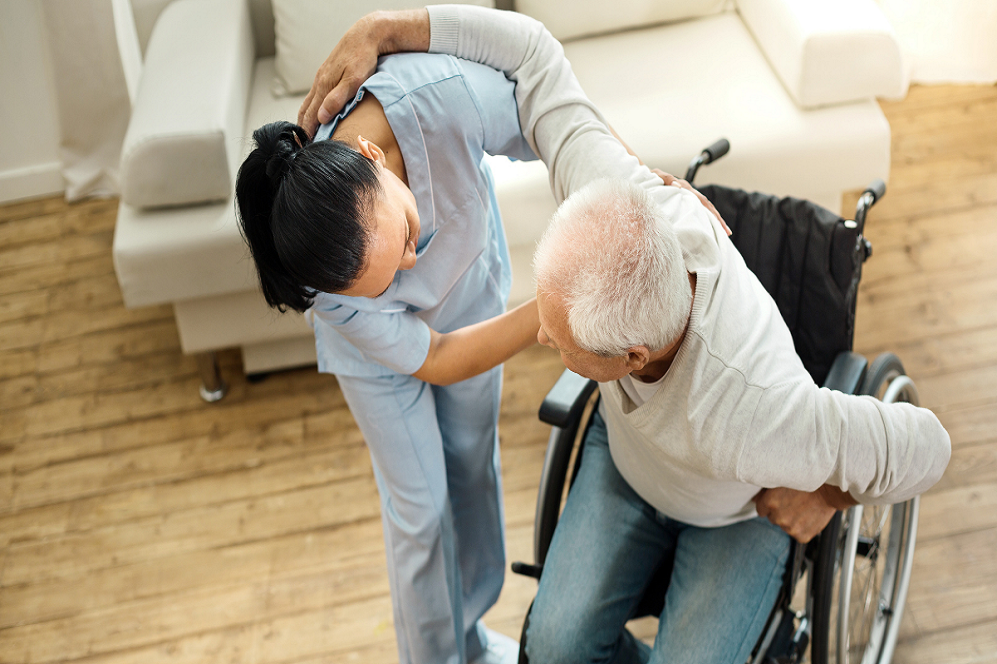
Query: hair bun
(280, 142)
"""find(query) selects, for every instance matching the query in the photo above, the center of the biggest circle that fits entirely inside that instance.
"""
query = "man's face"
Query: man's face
(555, 334)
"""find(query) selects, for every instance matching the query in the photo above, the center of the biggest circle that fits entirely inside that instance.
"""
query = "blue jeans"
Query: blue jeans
(608, 544)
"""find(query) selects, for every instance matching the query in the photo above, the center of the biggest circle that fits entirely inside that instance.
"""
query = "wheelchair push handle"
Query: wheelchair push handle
(875, 191)
(707, 156)
(717, 150)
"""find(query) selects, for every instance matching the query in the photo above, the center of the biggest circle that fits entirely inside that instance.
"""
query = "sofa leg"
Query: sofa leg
(213, 387)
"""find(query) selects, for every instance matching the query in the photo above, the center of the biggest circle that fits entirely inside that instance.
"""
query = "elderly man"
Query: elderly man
(705, 403)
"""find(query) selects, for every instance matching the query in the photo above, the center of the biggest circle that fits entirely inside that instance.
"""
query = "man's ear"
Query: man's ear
(638, 357)
(370, 150)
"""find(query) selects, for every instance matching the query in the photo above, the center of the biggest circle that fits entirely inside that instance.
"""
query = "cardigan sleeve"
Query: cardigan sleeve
(802, 436)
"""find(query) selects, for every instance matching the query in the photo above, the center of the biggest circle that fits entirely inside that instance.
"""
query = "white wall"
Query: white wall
(29, 127)
(946, 41)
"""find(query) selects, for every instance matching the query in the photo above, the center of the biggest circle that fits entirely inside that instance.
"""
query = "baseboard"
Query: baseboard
(31, 182)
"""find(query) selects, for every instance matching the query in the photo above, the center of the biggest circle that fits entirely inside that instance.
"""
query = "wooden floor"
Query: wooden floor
(138, 524)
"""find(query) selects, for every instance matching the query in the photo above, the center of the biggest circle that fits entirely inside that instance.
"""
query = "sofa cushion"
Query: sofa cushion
(828, 52)
(568, 19)
(201, 52)
(306, 32)
(181, 253)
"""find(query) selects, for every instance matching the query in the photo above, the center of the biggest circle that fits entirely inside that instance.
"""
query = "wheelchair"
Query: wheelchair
(844, 592)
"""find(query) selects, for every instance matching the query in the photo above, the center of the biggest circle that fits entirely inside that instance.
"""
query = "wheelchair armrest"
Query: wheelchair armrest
(565, 401)
(846, 372)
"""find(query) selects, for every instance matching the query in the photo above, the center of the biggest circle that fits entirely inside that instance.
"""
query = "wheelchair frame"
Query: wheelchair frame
(858, 569)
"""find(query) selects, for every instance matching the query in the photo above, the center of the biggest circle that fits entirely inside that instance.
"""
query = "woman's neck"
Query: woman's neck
(368, 120)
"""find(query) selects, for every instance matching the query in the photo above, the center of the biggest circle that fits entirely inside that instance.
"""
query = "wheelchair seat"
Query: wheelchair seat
(810, 261)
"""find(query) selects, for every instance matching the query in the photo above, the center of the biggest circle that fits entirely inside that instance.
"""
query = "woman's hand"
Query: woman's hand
(669, 179)
(354, 60)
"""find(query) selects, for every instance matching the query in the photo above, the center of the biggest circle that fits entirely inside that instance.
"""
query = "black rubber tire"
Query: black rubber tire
(523, 659)
(885, 366)
(822, 591)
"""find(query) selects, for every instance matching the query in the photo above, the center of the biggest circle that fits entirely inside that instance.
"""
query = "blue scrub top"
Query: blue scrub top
(446, 113)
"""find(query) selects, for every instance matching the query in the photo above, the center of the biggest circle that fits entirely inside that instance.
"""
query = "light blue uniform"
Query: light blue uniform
(434, 449)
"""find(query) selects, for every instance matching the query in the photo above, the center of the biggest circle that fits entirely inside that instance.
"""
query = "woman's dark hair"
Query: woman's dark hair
(303, 212)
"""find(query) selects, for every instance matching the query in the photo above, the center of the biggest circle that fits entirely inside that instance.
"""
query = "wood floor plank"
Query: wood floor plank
(942, 353)
(311, 552)
(70, 248)
(251, 408)
(191, 530)
(55, 274)
(67, 324)
(285, 585)
(958, 510)
(917, 247)
(970, 465)
(109, 347)
(32, 208)
(39, 388)
(954, 582)
(924, 307)
(972, 644)
(152, 480)
(58, 219)
(6, 494)
(18, 363)
(971, 424)
(977, 384)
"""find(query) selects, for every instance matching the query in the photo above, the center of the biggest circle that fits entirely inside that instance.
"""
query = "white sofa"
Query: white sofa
(791, 83)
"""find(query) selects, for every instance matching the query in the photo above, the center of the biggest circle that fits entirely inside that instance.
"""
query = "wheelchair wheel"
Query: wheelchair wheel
(862, 571)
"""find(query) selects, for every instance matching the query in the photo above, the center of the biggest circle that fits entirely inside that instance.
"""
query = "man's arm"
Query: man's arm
(802, 437)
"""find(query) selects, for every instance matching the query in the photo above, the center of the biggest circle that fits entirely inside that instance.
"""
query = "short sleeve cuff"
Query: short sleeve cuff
(419, 351)
(444, 29)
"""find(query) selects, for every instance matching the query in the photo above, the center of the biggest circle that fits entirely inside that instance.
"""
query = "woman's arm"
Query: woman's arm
(471, 350)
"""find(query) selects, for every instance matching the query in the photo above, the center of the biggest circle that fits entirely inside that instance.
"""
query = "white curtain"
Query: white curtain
(946, 41)
(95, 79)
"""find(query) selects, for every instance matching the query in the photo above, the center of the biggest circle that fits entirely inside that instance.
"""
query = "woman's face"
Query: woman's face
(394, 232)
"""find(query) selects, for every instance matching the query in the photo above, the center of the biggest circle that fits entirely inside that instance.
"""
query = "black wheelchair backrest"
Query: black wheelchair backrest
(807, 258)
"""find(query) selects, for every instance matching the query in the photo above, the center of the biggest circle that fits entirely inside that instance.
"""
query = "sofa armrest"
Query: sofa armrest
(827, 52)
(184, 140)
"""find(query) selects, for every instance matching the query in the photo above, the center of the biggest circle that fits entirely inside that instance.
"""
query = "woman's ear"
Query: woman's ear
(370, 150)
(408, 256)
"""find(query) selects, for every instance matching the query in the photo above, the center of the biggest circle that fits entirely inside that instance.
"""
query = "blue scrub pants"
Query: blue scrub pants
(436, 462)
(607, 545)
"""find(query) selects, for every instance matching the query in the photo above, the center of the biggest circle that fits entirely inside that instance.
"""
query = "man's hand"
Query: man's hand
(354, 60)
(669, 179)
(802, 515)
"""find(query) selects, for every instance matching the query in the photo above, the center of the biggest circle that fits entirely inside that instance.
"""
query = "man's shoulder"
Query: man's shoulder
(741, 327)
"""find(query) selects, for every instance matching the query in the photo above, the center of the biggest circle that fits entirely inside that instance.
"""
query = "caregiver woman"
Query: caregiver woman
(390, 234)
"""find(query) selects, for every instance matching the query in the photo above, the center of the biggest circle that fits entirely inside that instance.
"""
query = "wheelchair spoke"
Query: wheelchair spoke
(861, 629)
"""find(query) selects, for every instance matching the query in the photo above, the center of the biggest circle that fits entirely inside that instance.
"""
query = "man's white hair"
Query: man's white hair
(613, 258)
